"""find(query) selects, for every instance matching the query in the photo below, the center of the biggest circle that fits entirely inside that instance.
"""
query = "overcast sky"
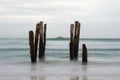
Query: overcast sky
(98, 18)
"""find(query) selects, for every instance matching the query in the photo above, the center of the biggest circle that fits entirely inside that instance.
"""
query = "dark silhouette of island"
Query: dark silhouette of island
(58, 38)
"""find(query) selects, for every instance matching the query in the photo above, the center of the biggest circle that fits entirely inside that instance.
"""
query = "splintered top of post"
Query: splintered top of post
(45, 25)
(31, 32)
(41, 22)
(72, 24)
(72, 28)
(76, 21)
(31, 35)
(83, 44)
(38, 24)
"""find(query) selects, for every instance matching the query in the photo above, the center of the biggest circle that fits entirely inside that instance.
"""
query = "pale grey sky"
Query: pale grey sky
(99, 18)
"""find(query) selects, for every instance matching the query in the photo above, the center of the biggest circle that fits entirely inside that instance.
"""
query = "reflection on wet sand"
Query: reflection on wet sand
(84, 69)
(83, 77)
(33, 78)
(60, 78)
(74, 78)
(79, 78)
(37, 78)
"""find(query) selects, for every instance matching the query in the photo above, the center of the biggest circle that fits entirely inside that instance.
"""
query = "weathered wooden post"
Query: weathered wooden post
(32, 47)
(71, 43)
(84, 54)
(40, 36)
(42, 42)
(36, 38)
(74, 40)
(45, 27)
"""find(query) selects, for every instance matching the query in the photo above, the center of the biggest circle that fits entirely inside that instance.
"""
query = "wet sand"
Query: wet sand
(59, 70)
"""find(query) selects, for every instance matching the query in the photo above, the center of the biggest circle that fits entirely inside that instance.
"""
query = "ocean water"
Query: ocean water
(103, 60)
(99, 50)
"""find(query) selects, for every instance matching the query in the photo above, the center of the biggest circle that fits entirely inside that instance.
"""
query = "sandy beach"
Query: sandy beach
(59, 70)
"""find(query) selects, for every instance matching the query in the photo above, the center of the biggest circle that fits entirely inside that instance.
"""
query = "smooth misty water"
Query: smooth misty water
(99, 50)
(103, 60)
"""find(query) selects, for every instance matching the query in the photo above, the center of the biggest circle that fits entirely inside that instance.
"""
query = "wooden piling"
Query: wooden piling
(71, 43)
(84, 53)
(36, 38)
(40, 36)
(32, 47)
(42, 41)
(45, 26)
(74, 40)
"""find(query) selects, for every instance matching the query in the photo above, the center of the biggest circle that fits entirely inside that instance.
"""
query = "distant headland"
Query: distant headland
(58, 38)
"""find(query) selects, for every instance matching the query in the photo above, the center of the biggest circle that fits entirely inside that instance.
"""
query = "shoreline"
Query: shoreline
(59, 68)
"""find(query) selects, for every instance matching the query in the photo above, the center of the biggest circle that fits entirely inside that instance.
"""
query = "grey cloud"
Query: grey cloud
(108, 10)
(93, 14)
(36, 7)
